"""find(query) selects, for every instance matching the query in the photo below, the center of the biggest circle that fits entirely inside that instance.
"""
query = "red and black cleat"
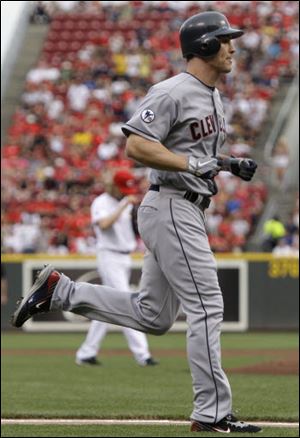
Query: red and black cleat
(39, 297)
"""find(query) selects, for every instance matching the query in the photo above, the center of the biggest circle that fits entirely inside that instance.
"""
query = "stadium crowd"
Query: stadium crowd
(98, 60)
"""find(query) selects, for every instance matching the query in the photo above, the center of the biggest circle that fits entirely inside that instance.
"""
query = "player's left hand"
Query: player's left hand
(244, 168)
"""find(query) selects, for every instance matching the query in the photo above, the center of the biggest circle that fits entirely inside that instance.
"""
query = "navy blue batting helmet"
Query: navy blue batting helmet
(199, 34)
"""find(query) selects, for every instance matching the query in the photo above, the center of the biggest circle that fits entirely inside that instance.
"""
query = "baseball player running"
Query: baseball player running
(111, 215)
(178, 131)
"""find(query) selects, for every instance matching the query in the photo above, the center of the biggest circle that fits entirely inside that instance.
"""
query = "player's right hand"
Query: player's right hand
(203, 168)
(132, 199)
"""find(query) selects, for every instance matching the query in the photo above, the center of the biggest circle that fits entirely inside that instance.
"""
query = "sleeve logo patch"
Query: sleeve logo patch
(148, 116)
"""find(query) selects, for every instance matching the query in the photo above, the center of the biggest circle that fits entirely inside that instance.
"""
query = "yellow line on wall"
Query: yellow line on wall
(18, 258)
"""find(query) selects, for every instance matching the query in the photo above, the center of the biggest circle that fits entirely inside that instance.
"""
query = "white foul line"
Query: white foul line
(75, 422)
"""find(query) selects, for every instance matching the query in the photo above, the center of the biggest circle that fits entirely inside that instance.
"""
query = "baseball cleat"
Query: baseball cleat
(227, 425)
(150, 362)
(39, 297)
(89, 361)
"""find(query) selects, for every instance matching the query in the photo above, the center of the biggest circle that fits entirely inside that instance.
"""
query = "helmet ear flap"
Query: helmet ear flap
(209, 46)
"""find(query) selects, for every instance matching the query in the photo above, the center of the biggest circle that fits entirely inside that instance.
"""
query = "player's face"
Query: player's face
(222, 62)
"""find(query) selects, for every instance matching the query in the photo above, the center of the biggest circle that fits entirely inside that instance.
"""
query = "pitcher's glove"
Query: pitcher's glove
(245, 168)
(206, 168)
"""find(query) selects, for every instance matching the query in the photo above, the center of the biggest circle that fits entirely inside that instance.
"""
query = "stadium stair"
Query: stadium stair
(29, 54)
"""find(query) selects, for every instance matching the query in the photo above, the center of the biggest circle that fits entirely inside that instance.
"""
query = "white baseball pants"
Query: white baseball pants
(114, 269)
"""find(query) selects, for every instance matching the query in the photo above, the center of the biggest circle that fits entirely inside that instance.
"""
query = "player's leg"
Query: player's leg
(90, 347)
(186, 259)
(153, 310)
(137, 341)
(151, 313)
(115, 271)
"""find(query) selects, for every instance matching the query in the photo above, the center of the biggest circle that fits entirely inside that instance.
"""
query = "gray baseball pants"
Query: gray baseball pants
(179, 267)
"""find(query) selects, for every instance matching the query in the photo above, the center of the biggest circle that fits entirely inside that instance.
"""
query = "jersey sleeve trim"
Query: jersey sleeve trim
(128, 129)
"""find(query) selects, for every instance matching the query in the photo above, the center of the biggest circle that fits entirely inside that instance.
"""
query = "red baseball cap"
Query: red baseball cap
(126, 182)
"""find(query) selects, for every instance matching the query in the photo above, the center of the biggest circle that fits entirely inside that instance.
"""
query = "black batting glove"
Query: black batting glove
(244, 168)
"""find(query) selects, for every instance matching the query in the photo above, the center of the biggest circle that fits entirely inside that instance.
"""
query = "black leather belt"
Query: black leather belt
(190, 196)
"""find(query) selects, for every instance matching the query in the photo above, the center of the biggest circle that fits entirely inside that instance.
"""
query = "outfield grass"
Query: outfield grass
(40, 379)
(252, 340)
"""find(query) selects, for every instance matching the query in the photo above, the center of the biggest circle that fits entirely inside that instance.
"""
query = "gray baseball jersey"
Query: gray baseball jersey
(187, 117)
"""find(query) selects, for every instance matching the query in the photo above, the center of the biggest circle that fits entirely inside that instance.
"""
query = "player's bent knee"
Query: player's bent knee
(160, 330)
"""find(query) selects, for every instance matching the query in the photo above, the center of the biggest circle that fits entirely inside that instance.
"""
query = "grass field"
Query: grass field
(41, 380)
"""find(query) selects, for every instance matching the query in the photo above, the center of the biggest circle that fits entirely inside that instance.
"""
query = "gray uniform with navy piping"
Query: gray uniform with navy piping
(187, 117)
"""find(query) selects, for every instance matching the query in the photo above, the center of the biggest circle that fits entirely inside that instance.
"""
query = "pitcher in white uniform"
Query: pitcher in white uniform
(111, 216)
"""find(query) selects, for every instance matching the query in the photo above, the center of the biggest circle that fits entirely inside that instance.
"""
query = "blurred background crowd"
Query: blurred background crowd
(98, 60)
